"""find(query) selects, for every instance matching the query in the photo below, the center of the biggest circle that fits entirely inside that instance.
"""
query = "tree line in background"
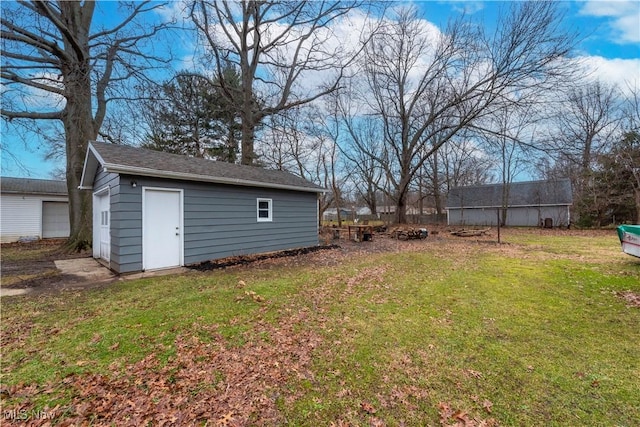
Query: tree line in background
(390, 111)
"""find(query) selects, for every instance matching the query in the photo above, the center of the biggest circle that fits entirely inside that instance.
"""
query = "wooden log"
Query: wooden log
(470, 233)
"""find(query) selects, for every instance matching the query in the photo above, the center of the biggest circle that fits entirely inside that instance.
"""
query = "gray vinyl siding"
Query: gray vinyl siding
(219, 220)
(126, 222)
(516, 217)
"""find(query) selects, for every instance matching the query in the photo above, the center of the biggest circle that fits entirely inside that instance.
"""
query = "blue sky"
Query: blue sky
(610, 46)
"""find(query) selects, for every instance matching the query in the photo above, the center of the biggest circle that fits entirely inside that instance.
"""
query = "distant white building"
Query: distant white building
(33, 209)
(532, 203)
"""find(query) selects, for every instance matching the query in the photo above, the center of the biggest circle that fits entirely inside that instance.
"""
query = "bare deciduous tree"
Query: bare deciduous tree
(302, 140)
(55, 49)
(585, 127)
(274, 45)
(427, 86)
(364, 132)
(629, 156)
(506, 136)
(587, 123)
(464, 163)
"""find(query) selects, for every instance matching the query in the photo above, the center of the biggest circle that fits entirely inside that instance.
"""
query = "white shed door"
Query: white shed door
(101, 226)
(161, 229)
(55, 219)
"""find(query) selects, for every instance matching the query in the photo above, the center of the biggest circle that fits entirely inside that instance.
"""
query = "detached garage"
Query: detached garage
(529, 204)
(33, 209)
(154, 210)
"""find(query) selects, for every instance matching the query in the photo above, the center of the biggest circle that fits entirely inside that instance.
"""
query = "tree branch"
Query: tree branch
(54, 115)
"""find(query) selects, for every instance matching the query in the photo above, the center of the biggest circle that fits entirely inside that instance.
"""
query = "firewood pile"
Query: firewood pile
(407, 233)
(470, 233)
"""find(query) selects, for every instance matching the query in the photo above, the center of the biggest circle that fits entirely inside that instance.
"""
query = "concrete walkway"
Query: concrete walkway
(9, 292)
(88, 270)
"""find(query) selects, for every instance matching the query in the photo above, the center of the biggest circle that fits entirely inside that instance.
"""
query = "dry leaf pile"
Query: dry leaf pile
(207, 380)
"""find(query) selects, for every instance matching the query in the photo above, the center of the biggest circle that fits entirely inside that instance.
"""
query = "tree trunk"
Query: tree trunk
(401, 208)
(637, 193)
(437, 194)
(79, 128)
(247, 156)
(373, 205)
(420, 196)
(78, 124)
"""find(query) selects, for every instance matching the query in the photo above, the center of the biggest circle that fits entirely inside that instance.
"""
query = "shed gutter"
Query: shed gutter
(35, 193)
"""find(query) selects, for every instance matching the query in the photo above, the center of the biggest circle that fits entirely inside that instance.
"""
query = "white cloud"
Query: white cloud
(174, 11)
(467, 7)
(622, 72)
(29, 98)
(624, 16)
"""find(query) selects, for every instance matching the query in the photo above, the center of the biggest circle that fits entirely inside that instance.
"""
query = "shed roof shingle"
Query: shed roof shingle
(530, 193)
(140, 161)
(33, 186)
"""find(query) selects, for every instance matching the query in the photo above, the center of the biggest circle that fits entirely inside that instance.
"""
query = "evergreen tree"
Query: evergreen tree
(188, 115)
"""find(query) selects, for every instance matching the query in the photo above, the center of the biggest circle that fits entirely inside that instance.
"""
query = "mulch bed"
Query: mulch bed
(248, 259)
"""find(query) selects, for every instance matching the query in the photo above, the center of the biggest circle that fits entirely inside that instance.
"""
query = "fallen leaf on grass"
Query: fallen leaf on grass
(115, 346)
(343, 393)
(459, 418)
(367, 407)
(225, 420)
(445, 412)
(487, 405)
(462, 416)
(254, 296)
(474, 374)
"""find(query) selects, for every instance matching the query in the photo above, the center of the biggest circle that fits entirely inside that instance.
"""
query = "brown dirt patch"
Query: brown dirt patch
(31, 266)
(21, 262)
(632, 298)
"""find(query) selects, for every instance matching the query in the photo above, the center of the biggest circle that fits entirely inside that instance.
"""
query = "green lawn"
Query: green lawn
(527, 333)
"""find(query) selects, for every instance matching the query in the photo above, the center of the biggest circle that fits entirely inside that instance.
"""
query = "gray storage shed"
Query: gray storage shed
(154, 210)
(531, 203)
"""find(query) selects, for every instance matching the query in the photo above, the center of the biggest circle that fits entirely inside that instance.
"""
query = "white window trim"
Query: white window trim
(268, 219)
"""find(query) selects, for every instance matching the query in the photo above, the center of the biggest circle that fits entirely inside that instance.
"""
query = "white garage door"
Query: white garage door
(55, 219)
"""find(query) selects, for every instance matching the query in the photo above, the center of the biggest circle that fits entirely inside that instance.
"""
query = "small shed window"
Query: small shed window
(265, 211)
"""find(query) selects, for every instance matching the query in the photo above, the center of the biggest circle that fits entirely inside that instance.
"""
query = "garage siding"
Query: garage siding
(219, 220)
(516, 217)
(55, 219)
(21, 216)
